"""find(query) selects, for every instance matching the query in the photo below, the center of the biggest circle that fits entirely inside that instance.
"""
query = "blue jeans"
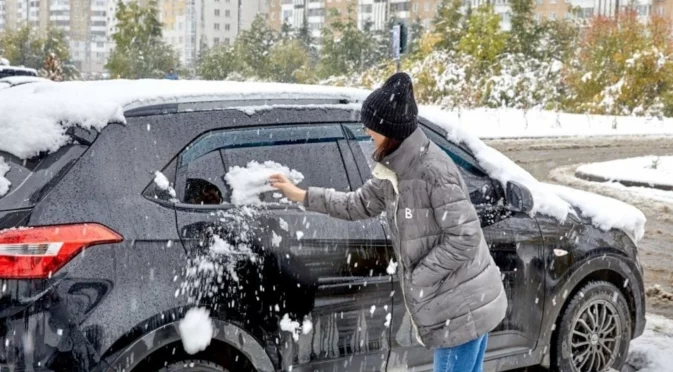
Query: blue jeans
(468, 357)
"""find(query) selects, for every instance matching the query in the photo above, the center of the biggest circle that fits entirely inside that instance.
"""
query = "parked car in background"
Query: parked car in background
(6, 71)
(93, 252)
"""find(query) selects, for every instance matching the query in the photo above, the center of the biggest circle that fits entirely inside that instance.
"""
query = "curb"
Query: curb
(595, 178)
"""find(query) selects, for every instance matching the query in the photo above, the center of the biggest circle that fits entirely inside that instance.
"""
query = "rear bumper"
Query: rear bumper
(38, 332)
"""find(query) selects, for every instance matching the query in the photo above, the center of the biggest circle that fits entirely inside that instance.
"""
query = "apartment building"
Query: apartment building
(190, 25)
(376, 13)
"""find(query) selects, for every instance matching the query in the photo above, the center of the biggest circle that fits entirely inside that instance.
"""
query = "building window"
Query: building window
(427, 7)
(181, 40)
(216, 41)
(226, 40)
(415, 7)
(227, 27)
(552, 15)
(217, 12)
(227, 13)
(216, 26)
(100, 45)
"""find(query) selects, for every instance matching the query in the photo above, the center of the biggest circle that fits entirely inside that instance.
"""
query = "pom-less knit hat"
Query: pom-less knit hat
(391, 110)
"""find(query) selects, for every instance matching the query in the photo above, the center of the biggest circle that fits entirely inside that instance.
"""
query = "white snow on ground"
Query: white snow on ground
(550, 200)
(247, 183)
(653, 351)
(644, 192)
(162, 183)
(516, 123)
(654, 170)
(4, 182)
(196, 330)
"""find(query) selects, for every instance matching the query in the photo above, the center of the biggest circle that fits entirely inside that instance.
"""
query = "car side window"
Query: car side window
(311, 150)
(474, 177)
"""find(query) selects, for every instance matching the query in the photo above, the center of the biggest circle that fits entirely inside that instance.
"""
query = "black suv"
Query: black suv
(102, 279)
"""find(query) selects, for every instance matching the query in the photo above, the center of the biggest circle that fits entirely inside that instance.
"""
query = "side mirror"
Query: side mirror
(519, 198)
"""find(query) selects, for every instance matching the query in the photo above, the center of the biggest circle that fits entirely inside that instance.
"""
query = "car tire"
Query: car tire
(594, 330)
(193, 366)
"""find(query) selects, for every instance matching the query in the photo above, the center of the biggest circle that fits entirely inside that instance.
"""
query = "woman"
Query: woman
(451, 286)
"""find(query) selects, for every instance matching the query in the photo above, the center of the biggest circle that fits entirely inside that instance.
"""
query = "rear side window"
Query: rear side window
(32, 179)
(312, 150)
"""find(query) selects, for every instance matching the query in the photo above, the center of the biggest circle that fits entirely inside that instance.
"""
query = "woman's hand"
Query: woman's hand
(291, 191)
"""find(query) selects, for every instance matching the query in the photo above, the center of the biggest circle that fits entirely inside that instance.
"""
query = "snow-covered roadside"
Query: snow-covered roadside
(515, 123)
(653, 171)
(653, 351)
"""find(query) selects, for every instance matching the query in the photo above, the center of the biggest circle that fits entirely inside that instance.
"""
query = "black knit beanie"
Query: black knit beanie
(391, 110)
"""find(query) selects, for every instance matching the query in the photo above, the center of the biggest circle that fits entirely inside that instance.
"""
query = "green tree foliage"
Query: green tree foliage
(139, 49)
(288, 62)
(218, 63)
(448, 24)
(253, 47)
(25, 47)
(345, 48)
(483, 38)
(524, 32)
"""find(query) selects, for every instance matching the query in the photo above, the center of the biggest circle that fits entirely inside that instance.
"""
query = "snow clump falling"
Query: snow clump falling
(196, 330)
(248, 182)
(293, 326)
(4, 182)
(163, 184)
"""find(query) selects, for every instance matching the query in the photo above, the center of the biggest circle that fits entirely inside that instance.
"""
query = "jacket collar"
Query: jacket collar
(411, 149)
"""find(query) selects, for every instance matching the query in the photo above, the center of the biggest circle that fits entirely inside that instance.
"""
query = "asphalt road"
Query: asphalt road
(555, 160)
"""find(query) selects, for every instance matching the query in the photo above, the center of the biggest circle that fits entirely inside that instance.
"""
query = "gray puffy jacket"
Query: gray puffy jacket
(451, 285)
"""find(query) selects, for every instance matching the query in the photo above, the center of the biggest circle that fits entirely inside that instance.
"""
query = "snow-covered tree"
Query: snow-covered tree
(140, 51)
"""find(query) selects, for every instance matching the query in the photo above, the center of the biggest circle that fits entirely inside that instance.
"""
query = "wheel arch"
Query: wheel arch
(225, 334)
(612, 268)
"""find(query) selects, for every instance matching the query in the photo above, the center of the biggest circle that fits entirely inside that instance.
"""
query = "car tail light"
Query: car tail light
(37, 252)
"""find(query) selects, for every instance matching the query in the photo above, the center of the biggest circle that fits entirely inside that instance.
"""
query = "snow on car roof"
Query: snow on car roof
(34, 118)
(22, 79)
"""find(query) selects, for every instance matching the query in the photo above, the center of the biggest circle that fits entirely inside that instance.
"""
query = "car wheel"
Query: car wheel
(594, 330)
(193, 366)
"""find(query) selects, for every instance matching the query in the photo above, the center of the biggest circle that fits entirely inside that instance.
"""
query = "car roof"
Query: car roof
(156, 96)
(25, 71)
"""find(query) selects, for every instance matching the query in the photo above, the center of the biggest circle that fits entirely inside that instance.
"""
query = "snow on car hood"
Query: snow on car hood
(551, 200)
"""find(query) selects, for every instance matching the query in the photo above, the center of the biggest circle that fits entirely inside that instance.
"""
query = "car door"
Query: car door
(327, 275)
(515, 243)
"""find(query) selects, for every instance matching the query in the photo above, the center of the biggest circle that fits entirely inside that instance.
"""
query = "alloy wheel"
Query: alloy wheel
(596, 337)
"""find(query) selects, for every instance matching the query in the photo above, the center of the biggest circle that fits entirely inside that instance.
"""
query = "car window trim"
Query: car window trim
(272, 206)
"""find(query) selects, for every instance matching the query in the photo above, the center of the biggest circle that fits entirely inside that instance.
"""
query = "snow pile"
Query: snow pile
(488, 123)
(293, 326)
(653, 351)
(642, 171)
(4, 182)
(4, 62)
(247, 183)
(163, 184)
(550, 200)
(196, 330)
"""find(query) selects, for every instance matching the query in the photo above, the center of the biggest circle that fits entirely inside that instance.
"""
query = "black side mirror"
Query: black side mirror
(519, 198)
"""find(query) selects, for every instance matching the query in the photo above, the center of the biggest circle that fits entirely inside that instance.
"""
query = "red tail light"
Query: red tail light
(37, 252)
